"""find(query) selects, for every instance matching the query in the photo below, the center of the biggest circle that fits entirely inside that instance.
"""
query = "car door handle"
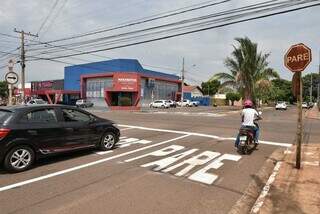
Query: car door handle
(32, 132)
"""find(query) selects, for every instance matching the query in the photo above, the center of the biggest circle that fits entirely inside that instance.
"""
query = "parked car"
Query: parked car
(305, 105)
(195, 103)
(186, 103)
(36, 131)
(37, 102)
(82, 103)
(310, 105)
(281, 106)
(159, 104)
(172, 103)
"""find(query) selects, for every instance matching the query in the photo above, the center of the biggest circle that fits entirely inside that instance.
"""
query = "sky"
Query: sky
(204, 52)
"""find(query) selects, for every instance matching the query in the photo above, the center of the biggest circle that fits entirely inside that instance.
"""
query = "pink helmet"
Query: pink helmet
(248, 103)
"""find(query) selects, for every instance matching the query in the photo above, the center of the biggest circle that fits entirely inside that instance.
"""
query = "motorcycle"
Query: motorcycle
(246, 137)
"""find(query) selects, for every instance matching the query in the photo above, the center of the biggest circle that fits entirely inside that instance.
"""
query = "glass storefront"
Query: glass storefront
(95, 88)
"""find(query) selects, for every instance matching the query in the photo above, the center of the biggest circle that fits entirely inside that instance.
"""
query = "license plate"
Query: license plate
(243, 138)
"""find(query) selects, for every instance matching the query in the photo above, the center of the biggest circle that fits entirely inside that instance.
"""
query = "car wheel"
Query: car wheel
(19, 159)
(108, 141)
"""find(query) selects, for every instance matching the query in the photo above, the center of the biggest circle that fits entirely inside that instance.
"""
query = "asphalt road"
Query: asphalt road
(180, 161)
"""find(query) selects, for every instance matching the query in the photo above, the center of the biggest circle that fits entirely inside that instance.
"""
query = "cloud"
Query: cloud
(206, 49)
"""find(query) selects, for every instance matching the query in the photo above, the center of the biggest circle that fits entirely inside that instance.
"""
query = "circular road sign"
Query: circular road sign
(11, 78)
(298, 57)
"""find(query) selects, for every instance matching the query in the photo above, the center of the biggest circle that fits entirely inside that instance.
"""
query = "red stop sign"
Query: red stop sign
(298, 57)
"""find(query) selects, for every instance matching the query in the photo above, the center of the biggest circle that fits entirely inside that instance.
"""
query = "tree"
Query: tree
(210, 87)
(248, 69)
(307, 86)
(233, 96)
(3, 89)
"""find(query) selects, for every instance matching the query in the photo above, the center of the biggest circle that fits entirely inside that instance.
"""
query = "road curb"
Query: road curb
(245, 203)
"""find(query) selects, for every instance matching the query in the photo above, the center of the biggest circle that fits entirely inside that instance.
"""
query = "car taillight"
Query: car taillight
(4, 133)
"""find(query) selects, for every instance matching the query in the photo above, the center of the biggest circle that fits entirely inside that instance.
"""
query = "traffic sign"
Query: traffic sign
(298, 57)
(11, 77)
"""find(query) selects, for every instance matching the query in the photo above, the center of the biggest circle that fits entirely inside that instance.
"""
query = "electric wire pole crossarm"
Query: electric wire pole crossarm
(23, 59)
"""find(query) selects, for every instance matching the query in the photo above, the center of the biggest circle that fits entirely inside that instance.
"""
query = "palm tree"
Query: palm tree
(248, 69)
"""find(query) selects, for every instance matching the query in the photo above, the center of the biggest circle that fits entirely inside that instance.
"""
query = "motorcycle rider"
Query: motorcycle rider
(249, 115)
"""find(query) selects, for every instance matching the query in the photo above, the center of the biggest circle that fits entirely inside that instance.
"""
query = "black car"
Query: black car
(31, 132)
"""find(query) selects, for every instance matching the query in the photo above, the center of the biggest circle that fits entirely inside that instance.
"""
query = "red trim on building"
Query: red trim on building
(116, 86)
(47, 93)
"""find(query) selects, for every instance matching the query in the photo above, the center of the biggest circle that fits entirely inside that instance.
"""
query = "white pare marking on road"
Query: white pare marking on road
(191, 163)
(162, 152)
(126, 129)
(259, 202)
(203, 176)
(203, 158)
(33, 180)
(163, 163)
(206, 135)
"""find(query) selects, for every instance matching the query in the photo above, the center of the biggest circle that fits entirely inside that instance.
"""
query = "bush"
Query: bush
(232, 96)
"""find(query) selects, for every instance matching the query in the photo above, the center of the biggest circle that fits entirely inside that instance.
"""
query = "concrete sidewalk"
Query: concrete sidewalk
(295, 191)
(313, 113)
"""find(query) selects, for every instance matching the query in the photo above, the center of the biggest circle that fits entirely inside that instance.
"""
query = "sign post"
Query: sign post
(11, 78)
(297, 58)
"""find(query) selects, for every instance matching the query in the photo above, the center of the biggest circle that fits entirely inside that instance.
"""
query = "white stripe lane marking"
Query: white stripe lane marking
(33, 180)
(206, 135)
(259, 202)
(122, 138)
(126, 129)
(103, 152)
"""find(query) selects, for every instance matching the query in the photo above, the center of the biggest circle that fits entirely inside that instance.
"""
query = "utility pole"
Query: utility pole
(318, 95)
(311, 90)
(182, 81)
(23, 59)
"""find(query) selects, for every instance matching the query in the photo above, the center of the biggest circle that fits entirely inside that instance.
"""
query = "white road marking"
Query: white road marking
(122, 137)
(33, 180)
(208, 178)
(126, 129)
(163, 163)
(162, 152)
(205, 135)
(103, 152)
(259, 202)
(192, 162)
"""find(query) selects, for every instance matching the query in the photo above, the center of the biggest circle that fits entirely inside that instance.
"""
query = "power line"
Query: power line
(56, 16)
(241, 9)
(190, 32)
(141, 21)
(48, 16)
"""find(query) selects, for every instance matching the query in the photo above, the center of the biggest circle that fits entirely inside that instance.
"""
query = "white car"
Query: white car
(172, 103)
(281, 106)
(36, 102)
(305, 105)
(159, 104)
(186, 103)
(195, 103)
(82, 103)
